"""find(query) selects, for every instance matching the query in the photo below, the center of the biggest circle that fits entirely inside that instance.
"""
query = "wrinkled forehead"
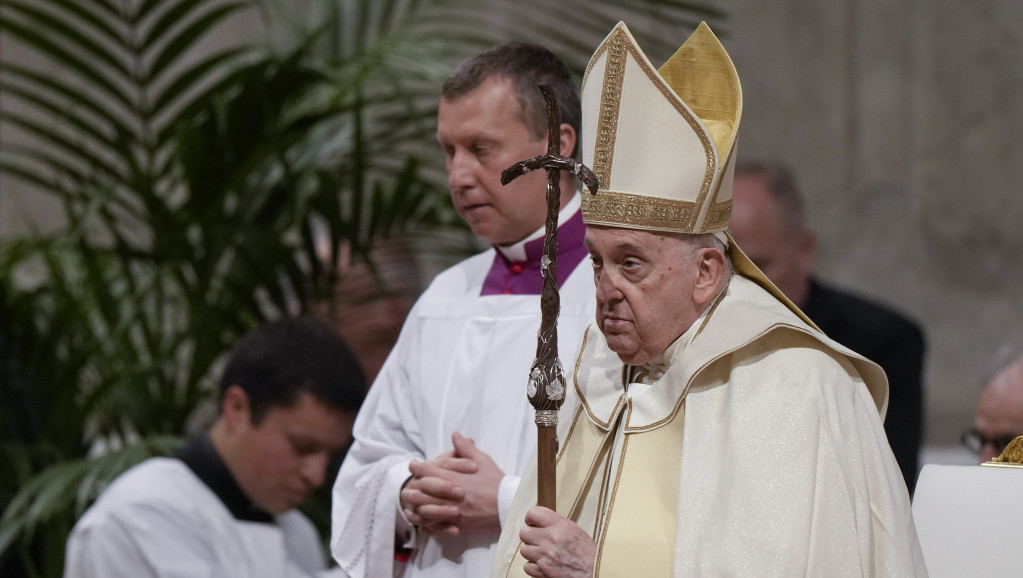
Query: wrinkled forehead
(604, 238)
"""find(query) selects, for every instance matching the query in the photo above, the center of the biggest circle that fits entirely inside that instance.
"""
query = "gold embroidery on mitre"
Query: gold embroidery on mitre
(637, 211)
(719, 212)
(718, 216)
(610, 104)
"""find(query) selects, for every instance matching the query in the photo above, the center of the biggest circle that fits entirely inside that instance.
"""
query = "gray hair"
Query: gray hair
(707, 241)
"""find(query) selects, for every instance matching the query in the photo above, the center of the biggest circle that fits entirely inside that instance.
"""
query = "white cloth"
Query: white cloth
(159, 520)
(461, 364)
(784, 465)
(970, 520)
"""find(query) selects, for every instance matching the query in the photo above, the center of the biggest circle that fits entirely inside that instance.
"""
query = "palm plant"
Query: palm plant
(202, 192)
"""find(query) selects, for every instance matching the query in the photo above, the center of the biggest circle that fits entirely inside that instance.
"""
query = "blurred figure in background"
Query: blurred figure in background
(224, 504)
(768, 223)
(373, 296)
(999, 415)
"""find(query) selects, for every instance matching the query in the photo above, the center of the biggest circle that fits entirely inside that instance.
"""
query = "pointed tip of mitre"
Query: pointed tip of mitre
(702, 74)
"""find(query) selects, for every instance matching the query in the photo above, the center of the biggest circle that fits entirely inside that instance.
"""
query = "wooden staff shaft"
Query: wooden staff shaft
(546, 456)
(546, 386)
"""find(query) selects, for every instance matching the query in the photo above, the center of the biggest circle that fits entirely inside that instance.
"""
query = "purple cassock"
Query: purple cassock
(507, 277)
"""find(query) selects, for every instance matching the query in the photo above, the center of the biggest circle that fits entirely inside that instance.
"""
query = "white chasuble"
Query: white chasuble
(759, 452)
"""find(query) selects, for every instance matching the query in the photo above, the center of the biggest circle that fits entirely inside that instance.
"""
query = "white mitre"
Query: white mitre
(662, 142)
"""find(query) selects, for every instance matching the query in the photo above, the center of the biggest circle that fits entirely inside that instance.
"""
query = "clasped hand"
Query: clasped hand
(455, 492)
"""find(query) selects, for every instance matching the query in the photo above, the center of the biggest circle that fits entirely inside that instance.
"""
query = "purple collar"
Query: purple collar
(508, 277)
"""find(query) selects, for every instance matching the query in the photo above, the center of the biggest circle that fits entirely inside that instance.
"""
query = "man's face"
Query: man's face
(645, 285)
(785, 256)
(281, 460)
(999, 412)
(482, 134)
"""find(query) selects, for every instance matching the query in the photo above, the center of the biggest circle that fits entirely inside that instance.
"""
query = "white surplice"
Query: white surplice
(461, 364)
(158, 520)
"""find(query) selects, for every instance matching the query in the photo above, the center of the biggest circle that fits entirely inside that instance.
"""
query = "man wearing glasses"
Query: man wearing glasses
(999, 415)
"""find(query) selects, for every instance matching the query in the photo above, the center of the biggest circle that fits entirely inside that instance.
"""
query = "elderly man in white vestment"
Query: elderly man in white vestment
(446, 429)
(713, 430)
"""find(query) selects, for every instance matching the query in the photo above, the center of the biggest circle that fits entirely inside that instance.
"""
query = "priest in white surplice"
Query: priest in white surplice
(416, 497)
(225, 504)
(711, 429)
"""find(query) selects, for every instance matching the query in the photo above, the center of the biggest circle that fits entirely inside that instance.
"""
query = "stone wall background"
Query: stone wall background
(904, 121)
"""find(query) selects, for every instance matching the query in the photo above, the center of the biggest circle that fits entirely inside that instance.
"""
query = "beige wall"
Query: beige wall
(904, 121)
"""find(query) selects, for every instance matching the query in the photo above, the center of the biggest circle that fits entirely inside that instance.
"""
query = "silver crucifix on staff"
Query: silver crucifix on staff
(546, 385)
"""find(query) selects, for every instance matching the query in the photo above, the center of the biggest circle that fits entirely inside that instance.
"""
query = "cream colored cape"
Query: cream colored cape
(759, 452)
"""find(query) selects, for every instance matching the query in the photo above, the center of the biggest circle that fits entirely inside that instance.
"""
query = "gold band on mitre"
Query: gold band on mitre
(663, 140)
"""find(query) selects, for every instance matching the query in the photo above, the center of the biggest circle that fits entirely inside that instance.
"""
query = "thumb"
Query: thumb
(464, 447)
(541, 517)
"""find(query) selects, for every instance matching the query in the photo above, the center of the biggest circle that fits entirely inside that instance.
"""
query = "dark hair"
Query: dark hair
(525, 65)
(282, 359)
(781, 183)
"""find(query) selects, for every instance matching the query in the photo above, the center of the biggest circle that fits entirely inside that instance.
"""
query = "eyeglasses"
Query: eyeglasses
(975, 441)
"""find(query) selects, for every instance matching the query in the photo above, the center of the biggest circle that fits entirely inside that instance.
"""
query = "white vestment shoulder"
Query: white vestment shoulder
(785, 468)
(159, 520)
(460, 364)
